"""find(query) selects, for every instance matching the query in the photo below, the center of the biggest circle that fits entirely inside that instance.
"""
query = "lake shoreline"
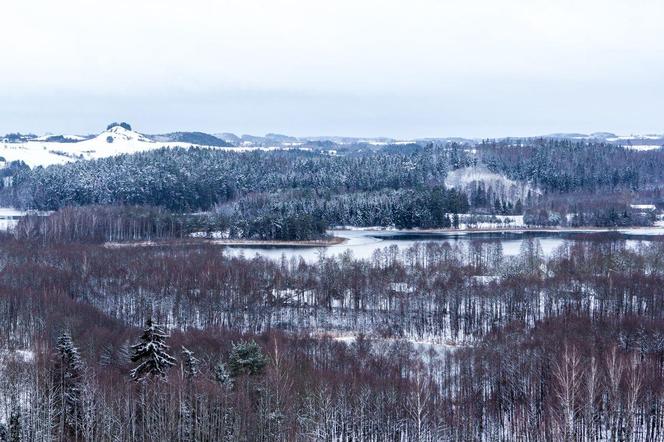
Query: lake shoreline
(505, 230)
(338, 237)
(229, 242)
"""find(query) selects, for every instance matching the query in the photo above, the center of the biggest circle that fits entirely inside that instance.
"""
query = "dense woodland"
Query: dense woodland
(297, 194)
(451, 343)
(569, 166)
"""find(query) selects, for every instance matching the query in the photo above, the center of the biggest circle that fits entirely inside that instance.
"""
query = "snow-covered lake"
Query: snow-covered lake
(363, 243)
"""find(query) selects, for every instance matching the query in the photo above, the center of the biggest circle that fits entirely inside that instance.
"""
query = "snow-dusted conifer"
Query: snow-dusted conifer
(151, 353)
(69, 375)
(222, 375)
(246, 358)
(190, 363)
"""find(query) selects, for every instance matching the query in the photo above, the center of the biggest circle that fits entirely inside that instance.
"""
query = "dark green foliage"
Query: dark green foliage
(246, 358)
(286, 195)
(197, 179)
(200, 138)
(124, 125)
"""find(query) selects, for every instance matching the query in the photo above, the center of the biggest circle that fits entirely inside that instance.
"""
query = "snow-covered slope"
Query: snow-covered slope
(114, 141)
(509, 190)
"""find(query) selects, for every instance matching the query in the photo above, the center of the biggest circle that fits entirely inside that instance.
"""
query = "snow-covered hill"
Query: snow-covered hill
(43, 151)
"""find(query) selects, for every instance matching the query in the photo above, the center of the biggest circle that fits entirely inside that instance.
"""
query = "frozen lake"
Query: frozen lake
(9, 217)
(363, 243)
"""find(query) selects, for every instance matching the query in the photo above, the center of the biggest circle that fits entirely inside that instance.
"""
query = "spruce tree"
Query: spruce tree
(190, 363)
(151, 353)
(15, 425)
(70, 370)
(246, 358)
(222, 375)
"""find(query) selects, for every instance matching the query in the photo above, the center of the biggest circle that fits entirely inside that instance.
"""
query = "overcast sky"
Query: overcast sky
(345, 67)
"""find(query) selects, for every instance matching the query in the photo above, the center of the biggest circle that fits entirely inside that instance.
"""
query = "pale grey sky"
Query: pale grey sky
(413, 68)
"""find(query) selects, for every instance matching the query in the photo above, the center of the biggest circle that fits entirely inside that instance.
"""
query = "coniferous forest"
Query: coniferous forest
(298, 194)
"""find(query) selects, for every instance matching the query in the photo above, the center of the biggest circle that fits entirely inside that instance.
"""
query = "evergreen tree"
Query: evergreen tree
(222, 375)
(190, 363)
(15, 425)
(518, 207)
(246, 358)
(151, 353)
(69, 371)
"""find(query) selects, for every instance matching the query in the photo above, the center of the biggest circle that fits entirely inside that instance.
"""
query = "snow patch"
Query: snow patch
(643, 147)
(468, 177)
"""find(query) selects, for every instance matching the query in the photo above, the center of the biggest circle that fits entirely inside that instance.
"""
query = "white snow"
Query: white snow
(481, 222)
(656, 230)
(643, 206)
(9, 217)
(508, 189)
(42, 153)
(636, 137)
(643, 147)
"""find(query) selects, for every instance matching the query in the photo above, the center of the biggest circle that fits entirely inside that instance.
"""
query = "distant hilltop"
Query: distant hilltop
(123, 125)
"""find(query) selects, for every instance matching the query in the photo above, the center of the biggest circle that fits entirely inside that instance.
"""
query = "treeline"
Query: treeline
(289, 216)
(405, 208)
(580, 209)
(562, 348)
(97, 224)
